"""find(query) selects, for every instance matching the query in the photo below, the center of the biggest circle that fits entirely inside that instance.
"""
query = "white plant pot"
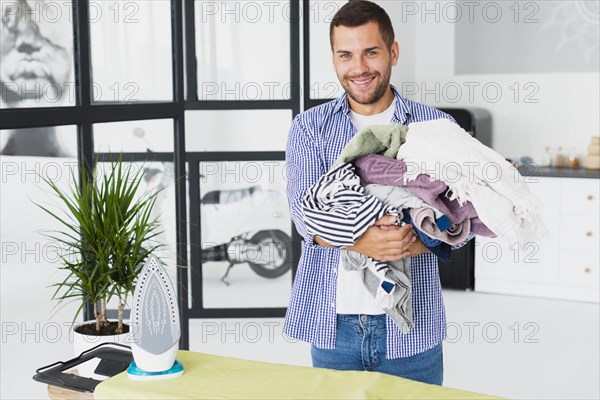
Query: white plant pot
(154, 362)
(82, 343)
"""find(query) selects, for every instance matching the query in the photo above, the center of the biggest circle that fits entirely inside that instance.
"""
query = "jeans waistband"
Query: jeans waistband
(364, 319)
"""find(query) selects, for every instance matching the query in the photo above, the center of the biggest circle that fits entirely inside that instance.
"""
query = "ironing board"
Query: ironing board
(209, 376)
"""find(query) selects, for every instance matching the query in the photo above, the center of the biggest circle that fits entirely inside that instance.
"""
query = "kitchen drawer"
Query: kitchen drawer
(579, 233)
(579, 268)
(580, 196)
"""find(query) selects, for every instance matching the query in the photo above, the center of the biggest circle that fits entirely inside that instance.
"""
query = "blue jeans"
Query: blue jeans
(360, 345)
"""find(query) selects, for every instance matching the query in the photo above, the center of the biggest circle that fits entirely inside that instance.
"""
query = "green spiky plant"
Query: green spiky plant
(108, 232)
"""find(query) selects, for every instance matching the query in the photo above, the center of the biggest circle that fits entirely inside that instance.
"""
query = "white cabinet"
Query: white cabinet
(565, 265)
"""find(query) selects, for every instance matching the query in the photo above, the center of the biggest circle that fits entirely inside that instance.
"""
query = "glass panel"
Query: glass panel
(243, 130)
(245, 221)
(243, 50)
(36, 54)
(30, 261)
(131, 51)
(51, 141)
(158, 176)
(134, 136)
(323, 80)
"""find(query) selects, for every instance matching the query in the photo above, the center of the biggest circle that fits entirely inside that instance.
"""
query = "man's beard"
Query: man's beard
(378, 93)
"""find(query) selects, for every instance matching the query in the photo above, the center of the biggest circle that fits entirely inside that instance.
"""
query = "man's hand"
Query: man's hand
(417, 248)
(385, 241)
(318, 240)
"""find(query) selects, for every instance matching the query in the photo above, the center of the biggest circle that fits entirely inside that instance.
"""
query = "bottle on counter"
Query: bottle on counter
(573, 159)
(560, 159)
(546, 160)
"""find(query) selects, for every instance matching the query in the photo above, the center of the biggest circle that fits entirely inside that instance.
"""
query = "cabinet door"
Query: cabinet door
(547, 191)
(579, 268)
(531, 262)
(579, 233)
(580, 197)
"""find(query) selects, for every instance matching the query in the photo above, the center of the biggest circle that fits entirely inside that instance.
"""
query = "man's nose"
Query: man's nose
(29, 38)
(360, 66)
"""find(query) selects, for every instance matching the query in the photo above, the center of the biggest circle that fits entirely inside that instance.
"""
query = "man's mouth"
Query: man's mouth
(362, 82)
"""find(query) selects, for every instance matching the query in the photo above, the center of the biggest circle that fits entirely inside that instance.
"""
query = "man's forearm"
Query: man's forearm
(416, 248)
(318, 240)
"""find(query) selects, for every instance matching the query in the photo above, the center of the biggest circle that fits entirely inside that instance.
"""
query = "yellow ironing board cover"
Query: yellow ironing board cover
(209, 376)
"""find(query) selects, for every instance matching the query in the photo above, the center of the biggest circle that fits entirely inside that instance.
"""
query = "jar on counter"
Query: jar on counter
(573, 158)
(546, 160)
(560, 160)
(573, 161)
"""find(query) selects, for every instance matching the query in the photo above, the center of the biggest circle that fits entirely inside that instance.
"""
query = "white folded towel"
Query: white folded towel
(475, 173)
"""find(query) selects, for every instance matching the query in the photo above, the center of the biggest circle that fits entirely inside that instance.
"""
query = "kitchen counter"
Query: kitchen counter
(559, 172)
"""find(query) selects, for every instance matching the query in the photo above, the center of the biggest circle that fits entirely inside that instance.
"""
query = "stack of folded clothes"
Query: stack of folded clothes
(431, 174)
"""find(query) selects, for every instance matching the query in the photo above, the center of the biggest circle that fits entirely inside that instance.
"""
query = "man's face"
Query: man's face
(30, 59)
(362, 61)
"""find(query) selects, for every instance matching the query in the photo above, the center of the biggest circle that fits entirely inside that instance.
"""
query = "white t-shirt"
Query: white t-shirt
(351, 295)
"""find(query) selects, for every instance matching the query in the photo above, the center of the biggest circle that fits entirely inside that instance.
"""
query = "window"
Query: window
(117, 85)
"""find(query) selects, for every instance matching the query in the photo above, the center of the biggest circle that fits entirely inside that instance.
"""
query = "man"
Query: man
(329, 307)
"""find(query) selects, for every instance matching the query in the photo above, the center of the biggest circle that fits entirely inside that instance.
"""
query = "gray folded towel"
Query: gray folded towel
(398, 272)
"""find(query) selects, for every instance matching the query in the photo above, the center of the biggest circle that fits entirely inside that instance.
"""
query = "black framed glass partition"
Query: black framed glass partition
(99, 83)
(182, 86)
(240, 235)
(142, 78)
(242, 92)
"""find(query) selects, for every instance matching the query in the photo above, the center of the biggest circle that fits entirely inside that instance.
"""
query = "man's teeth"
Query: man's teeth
(362, 82)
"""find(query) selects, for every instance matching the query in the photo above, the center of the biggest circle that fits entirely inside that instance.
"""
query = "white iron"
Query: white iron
(154, 324)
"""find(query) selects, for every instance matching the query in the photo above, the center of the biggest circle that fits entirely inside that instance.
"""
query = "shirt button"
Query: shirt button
(333, 304)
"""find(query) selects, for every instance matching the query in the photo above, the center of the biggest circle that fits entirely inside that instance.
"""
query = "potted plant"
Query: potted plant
(107, 233)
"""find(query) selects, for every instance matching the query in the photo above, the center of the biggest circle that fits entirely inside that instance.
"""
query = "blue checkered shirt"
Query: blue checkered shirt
(316, 138)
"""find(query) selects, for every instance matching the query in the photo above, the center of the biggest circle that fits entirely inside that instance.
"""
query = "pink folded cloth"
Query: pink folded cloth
(424, 220)
(382, 170)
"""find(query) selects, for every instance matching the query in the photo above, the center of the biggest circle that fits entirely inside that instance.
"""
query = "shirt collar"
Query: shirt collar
(402, 113)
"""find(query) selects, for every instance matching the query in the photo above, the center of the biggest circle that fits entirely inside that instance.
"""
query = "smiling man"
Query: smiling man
(363, 57)
(330, 307)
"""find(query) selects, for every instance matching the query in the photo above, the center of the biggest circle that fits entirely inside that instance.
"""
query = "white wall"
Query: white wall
(565, 111)
(529, 111)
(405, 30)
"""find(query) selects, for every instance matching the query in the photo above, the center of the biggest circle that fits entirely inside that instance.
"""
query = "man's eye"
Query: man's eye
(345, 55)
(371, 53)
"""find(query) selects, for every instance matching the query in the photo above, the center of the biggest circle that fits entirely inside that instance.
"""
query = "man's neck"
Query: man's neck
(374, 108)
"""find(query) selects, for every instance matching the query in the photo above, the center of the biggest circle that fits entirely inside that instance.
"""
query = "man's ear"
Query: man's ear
(395, 53)
(333, 62)
(332, 54)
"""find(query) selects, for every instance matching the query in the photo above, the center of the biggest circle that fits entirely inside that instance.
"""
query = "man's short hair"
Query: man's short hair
(359, 12)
